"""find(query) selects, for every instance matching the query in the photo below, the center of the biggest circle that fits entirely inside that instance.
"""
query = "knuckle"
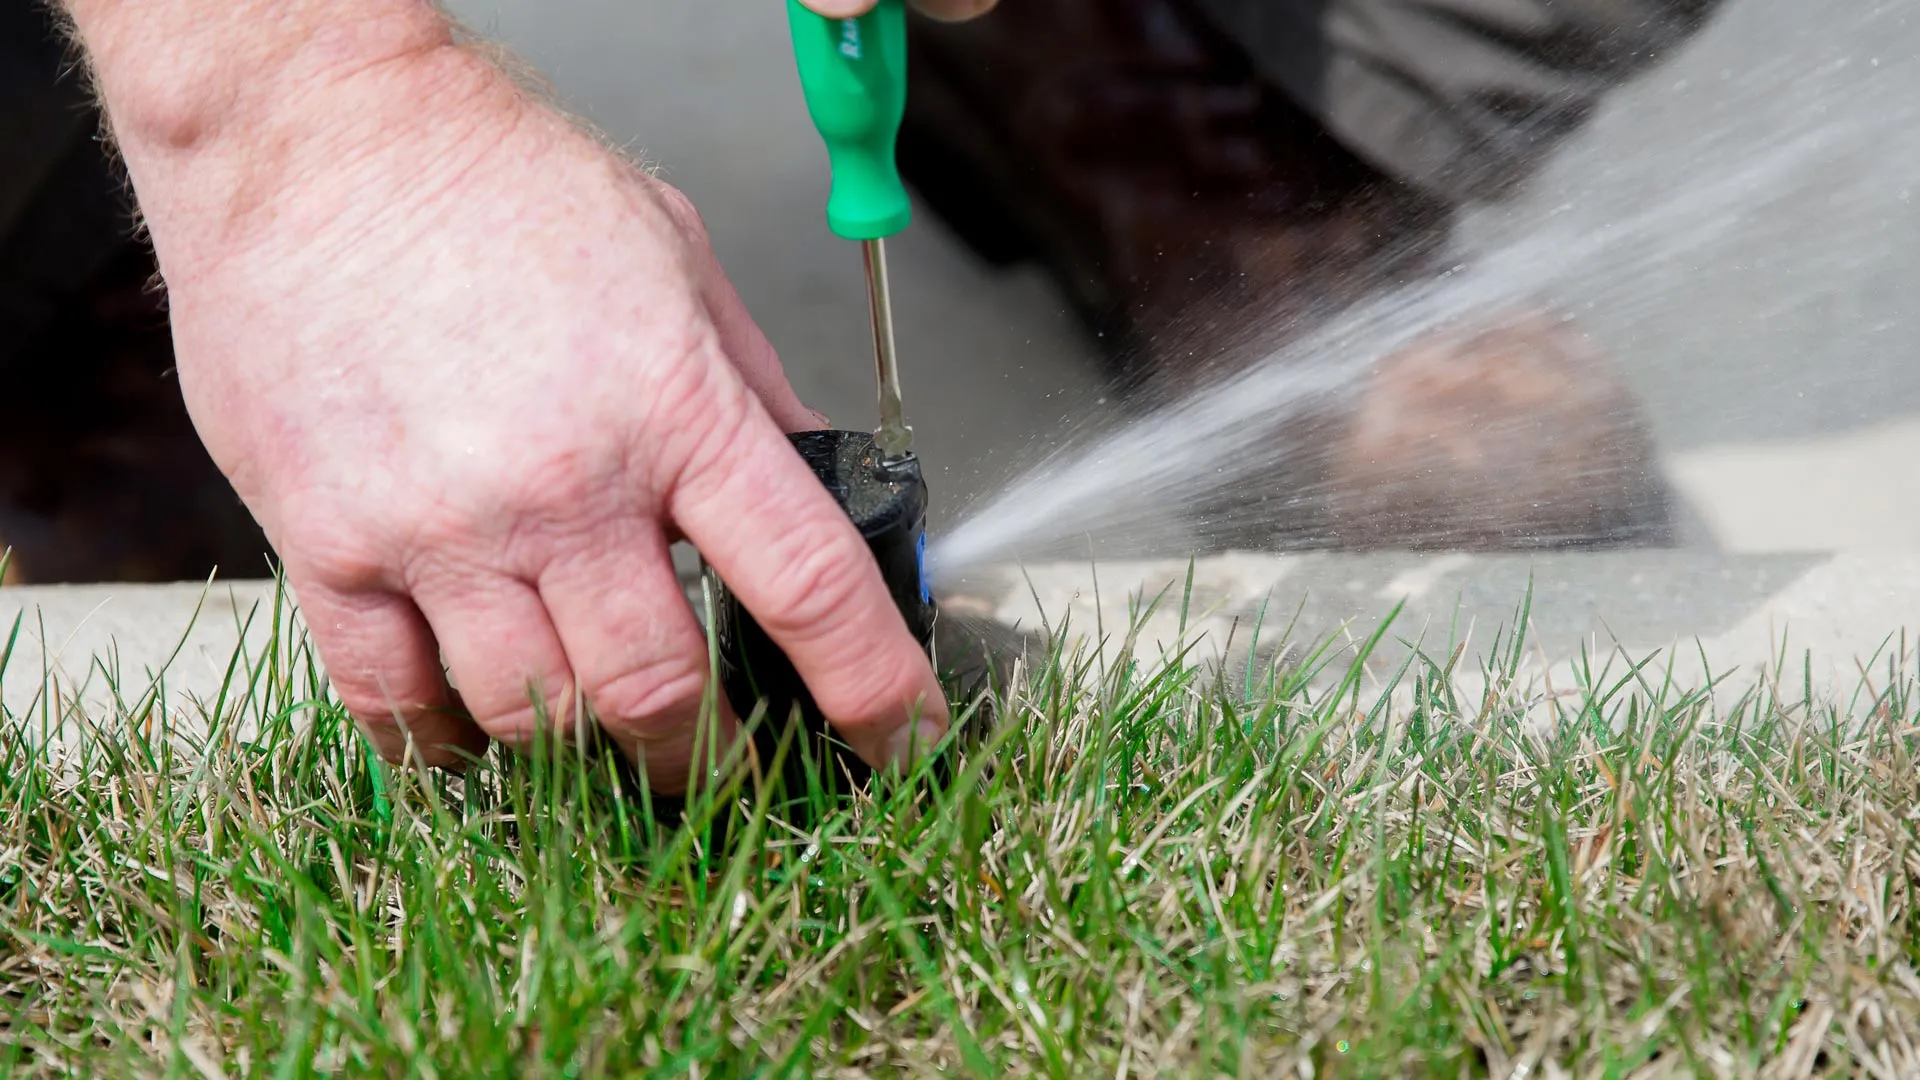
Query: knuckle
(330, 550)
(361, 697)
(386, 715)
(817, 589)
(515, 727)
(652, 699)
(346, 566)
(869, 692)
(681, 211)
(516, 710)
(515, 522)
(519, 725)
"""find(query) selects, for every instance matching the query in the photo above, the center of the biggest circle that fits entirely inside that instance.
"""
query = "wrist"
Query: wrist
(251, 100)
(180, 75)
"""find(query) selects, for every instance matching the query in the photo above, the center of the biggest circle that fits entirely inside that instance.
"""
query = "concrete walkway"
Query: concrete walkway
(1830, 618)
(1698, 616)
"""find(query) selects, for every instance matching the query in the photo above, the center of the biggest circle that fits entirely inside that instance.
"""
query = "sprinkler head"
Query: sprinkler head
(887, 500)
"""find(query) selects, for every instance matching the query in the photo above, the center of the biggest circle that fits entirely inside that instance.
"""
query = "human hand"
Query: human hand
(472, 372)
(948, 10)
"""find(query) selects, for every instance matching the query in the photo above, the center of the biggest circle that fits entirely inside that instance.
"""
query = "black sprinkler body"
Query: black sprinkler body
(887, 501)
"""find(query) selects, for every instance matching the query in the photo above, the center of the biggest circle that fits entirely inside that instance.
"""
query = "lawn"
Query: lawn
(1145, 868)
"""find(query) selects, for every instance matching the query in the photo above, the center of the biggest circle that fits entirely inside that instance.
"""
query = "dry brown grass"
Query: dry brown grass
(1144, 873)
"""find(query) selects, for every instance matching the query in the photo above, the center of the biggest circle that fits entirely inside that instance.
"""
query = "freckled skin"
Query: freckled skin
(472, 372)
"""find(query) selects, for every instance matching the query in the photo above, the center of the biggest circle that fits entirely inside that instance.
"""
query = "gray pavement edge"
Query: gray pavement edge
(1829, 620)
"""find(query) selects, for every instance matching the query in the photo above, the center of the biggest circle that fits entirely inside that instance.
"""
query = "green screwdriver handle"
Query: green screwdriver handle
(854, 75)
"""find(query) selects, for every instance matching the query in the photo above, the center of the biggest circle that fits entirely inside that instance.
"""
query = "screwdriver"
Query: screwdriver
(853, 73)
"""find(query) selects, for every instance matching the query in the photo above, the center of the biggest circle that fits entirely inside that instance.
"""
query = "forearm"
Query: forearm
(220, 106)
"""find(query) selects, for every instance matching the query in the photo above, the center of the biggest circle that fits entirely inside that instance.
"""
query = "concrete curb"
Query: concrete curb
(87, 644)
(1822, 619)
(1831, 615)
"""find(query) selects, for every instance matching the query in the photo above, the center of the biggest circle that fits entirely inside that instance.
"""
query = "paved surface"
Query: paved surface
(1827, 616)
(103, 646)
(1699, 616)
(1777, 363)
(1760, 358)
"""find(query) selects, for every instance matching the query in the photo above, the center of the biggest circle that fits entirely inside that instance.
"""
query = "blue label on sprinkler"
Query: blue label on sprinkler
(920, 556)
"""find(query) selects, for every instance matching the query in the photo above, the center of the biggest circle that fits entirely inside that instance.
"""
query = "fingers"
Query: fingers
(789, 552)
(506, 658)
(384, 666)
(638, 653)
(948, 10)
(606, 617)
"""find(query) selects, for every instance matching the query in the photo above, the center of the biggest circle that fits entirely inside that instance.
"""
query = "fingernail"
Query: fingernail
(821, 418)
(914, 741)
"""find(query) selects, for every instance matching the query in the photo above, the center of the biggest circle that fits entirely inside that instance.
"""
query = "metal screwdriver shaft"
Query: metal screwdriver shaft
(853, 73)
(894, 438)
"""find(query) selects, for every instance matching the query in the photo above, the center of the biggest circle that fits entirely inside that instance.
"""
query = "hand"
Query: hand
(947, 10)
(471, 372)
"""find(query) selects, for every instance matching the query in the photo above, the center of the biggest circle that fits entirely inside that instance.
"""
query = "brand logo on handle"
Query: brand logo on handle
(850, 38)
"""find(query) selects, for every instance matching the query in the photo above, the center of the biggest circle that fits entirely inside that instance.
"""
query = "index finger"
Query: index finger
(791, 554)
